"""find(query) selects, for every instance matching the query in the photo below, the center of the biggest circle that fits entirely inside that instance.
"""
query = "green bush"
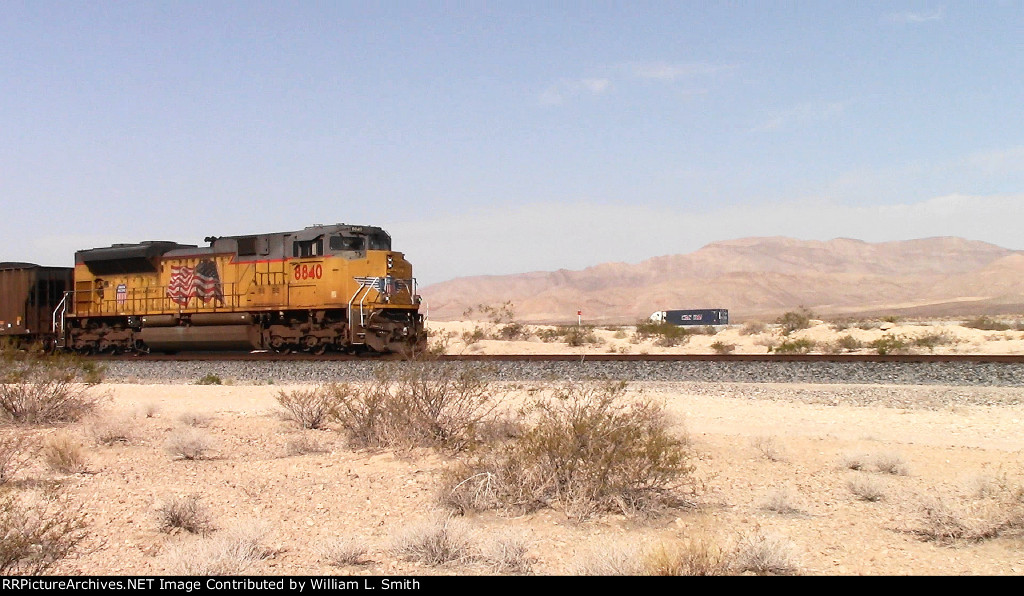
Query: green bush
(795, 346)
(513, 331)
(664, 334)
(849, 343)
(889, 344)
(987, 324)
(209, 379)
(795, 320)
(933, 340)
(573, 335)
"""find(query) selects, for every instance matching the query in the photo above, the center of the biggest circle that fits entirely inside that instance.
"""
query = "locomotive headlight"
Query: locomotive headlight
(391, 262)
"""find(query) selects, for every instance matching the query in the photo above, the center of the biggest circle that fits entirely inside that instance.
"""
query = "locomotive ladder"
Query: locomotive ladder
(363, 285)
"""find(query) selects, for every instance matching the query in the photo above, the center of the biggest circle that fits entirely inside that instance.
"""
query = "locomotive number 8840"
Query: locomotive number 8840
(326, 287)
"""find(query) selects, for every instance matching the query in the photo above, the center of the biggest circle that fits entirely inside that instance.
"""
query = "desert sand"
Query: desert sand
(766, 467)
(769, 466)
(747, 454)
(952, 338)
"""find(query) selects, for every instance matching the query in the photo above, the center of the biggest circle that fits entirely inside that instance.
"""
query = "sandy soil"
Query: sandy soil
(948, 337)
(748, 453)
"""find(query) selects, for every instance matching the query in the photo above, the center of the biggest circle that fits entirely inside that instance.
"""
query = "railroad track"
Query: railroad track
(724, 358)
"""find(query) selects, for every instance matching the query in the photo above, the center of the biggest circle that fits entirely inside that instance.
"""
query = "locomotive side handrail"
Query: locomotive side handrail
(139, 301)
(57, 320)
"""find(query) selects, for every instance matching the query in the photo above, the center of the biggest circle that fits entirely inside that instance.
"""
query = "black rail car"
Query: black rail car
(29, 294)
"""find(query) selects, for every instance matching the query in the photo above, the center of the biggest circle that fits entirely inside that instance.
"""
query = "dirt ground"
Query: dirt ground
(925, 337)
(765, 468)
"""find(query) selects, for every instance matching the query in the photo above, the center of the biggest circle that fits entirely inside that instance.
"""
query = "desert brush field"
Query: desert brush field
(435, 469)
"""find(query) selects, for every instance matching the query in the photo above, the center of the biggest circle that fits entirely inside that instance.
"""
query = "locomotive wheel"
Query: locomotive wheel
(319, 349)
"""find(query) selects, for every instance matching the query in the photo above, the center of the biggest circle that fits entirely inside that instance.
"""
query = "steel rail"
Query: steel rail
(833, 358)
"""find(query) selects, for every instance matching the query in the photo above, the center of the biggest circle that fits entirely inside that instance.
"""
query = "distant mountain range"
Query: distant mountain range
(760, 278)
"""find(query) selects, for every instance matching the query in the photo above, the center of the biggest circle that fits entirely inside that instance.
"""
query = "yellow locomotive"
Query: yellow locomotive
(326, 287)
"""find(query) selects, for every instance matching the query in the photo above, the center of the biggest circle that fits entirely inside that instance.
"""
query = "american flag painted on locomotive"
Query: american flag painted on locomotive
(202, 282)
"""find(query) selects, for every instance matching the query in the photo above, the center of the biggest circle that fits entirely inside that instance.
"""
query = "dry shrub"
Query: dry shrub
(781, 500)
(231, 552)
(190, 444)
(303, 445)
(853, 461)
(310, 408)
(694, 556)
(194, 419)
(15, 451)
(345, 552)
(612, 559)
(435, 542)
(65, 454)
(587, 448)
(508, 555)
(149, 409)
(769, 448)
(420, 403)
(765, 555)
(866, 488)
(891, 463)
(753, 328)
(37, 388)
(999, 515)
(112, 430)
(184, 513)
(38, 532)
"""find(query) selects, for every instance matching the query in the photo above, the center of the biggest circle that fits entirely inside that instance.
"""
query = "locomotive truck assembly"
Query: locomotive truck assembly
(326, 287)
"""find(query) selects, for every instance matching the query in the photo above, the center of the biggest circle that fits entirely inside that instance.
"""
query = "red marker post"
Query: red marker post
(579, 318)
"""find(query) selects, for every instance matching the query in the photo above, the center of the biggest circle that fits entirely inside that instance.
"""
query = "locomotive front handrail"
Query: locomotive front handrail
(58, 315)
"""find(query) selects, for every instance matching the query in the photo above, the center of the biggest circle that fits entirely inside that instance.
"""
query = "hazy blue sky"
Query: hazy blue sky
(499, 137)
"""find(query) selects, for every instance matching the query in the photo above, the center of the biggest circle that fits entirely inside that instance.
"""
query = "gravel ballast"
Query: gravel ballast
(955, 374)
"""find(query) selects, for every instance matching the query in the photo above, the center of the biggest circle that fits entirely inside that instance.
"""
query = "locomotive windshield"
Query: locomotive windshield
(346, 243)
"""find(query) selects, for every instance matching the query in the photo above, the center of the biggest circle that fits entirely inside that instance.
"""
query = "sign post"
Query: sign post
(579, 318)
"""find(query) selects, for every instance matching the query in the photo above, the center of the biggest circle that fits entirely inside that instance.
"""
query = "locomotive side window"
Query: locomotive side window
(247, 246)
(349, 243)
(380, 241)
(308, 248)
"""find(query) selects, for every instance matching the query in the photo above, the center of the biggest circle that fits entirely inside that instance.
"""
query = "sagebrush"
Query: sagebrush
(38, 531)
(421, 403)
(39, 388)
(587, 447)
